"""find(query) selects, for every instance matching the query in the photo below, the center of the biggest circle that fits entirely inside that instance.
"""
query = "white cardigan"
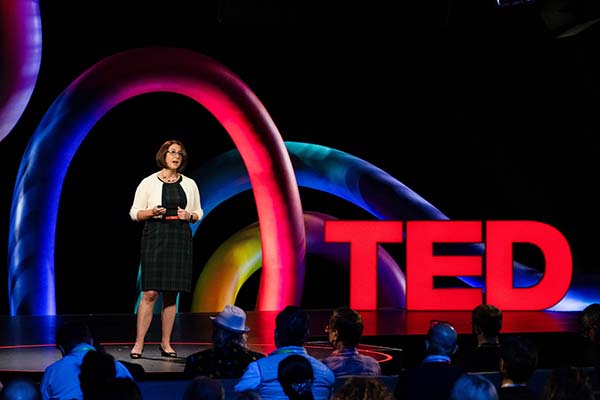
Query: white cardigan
(149, 194)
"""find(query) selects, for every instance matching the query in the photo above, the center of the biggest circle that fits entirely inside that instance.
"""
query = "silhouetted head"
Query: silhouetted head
(473, 387)
(72, 334)
(487, 320)
(346, 326)
(229, 328)
(204, 388)
(589, 319)
(441, 339)
(295, 374)
(20, 388)
(98, 369)
(291, 327)
(518, 358)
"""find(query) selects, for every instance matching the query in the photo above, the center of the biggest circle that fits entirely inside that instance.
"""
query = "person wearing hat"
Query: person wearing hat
(229, 356)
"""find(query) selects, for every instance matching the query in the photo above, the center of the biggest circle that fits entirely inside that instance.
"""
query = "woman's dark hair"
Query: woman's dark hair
(296, 376)
(161, 155)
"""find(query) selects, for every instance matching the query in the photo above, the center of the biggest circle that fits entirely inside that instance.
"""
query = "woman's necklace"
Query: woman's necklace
(169, 179)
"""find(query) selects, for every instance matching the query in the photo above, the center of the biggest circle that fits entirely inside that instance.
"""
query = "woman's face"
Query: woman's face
(174, 156)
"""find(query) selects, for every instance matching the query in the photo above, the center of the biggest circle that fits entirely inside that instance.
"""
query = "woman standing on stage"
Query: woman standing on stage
(167, 202)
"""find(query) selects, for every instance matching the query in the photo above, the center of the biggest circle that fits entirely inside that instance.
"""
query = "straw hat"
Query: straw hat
(232, 318)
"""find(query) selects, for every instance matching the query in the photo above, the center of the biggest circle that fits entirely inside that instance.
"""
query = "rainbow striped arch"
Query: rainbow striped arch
(110, 82)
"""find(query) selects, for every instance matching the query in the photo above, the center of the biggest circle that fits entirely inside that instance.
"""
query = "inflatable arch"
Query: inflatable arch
(20, 58)
(110, 82)
(236, 259)
(328, 170)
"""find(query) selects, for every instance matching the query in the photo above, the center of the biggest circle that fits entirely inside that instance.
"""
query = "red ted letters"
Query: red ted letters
(422, 265)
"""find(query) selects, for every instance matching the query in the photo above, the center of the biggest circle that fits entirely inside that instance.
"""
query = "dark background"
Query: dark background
(482, 110)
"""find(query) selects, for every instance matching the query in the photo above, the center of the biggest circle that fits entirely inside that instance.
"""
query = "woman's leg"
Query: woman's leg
(144, 318)
(168, 319)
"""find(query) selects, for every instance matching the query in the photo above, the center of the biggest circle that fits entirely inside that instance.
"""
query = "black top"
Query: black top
(429, 380)
(220, 362)
(516, 393)
(483, 358)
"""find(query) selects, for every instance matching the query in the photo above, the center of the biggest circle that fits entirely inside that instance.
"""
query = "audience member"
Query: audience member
(363, 387)
(291, 332)
(204, 388)
(295, 375)
(229, 356)
(518, 361)
(589, 320)
(486, 321)
(119, 389)
(473, 387)
(20, 388)
(60, 380)
(248, 395)
(568, 384)
(434, 378)
(345, 330)
(97, 371)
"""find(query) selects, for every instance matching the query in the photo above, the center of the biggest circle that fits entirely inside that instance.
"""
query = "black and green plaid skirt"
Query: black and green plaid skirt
(167, 256)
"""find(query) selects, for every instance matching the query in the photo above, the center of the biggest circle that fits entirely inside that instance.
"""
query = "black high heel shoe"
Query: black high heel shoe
(135, 356)
(164, 353)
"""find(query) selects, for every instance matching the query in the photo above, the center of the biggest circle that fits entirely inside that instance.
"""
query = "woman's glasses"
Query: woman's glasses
(175, 153)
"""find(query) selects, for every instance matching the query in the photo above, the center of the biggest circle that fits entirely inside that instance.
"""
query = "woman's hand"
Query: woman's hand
(183, 214)
(158, 212)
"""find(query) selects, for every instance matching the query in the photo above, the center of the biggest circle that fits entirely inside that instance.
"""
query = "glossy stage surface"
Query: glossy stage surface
(394, 337)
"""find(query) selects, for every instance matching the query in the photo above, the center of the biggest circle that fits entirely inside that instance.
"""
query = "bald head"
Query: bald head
(21, 388)
(441, 339)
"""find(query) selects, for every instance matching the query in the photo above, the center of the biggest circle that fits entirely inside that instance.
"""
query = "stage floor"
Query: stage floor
(394, 337)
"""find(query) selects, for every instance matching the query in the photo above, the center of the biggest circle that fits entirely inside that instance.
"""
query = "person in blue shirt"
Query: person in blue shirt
(291, 332)
(60, 380)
